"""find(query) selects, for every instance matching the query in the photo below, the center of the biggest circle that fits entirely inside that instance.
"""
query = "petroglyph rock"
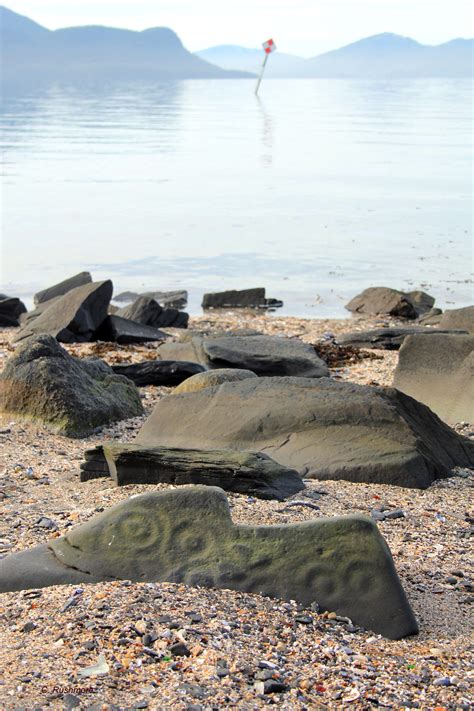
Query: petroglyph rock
(187, 536)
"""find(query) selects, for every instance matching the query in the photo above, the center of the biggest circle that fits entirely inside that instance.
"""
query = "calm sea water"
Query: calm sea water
(315, 190)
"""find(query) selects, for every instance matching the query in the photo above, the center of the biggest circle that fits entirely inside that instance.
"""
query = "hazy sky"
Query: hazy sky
(304, 27)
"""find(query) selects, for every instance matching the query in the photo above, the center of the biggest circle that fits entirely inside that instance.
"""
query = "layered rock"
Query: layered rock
(248, 473)
(187, 536)
(322, 428)
(159, 372)
(438, 371)
(389, 339)
(72, 397)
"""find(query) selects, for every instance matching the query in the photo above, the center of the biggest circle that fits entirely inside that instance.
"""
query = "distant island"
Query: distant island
(386, 56)
(31, 51)
(102, 53)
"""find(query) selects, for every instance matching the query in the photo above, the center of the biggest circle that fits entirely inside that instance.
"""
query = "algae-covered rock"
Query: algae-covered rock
(72, 397)
(187, 536)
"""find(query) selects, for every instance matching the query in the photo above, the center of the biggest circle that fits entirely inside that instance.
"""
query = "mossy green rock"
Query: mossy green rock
(188, 536)
(72, 397)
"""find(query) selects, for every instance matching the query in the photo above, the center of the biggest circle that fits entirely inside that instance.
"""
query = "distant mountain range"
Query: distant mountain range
(381, 56)
(101, 53)
(30, 51)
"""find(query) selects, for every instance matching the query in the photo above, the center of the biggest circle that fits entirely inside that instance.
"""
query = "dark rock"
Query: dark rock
(149, 313)
(273, 686)
(116, 329)
(179, 650)
(158, 372)
(63, 287)
(210, 378)
(73, 397)
(10, 311)
(29, 627)
(322, 428)
(169, 299)
(263, 355)
(187, 536)
(30, 316)
(459, 318)
(391, 302)
(245, 298)
(438, 372)
(240, 472)
(74, 317)
(389, 339)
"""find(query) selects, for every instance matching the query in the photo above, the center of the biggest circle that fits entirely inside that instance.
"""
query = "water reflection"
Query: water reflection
(266, 133)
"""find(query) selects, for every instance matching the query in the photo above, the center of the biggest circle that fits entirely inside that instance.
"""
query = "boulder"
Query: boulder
(431, 317)
(322, 428)
(381, 300)
(43, 383)
(148, 312)
(389, 339)
(187, 536)
(263, 355)
(253, 474)
(245, 298)
(75, 316)
(30, 316)
(158, 372)
(63, 287)
(459, 318)
(438, 371)
(211, 378)
(169, 299)
(116, 329)
(10, 311)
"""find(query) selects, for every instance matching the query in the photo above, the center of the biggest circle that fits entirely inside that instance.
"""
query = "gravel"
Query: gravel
(167, 646)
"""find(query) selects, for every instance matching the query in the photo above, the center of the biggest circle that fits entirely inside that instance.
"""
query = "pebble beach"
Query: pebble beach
(168, 646)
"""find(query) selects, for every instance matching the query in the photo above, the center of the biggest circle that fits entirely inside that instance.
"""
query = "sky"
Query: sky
(304, 27)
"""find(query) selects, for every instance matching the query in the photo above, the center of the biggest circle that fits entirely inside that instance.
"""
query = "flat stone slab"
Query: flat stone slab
(73, 317)
(158, 372)
(438, 371)
(62, 287)
(322, 428)
(71, 396)
(389, 339)
(115, 329)
(172, 299)
(243, 298)
(187, 536)
(263, 355)
(248, 473)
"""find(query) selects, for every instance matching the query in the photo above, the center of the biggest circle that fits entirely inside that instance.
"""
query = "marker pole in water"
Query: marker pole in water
(259, 80)
(268, 47)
